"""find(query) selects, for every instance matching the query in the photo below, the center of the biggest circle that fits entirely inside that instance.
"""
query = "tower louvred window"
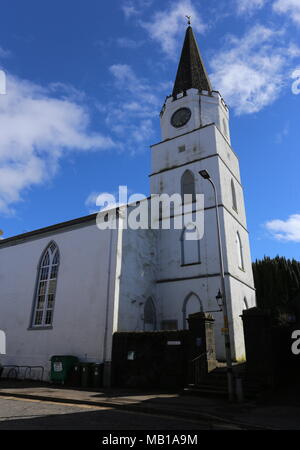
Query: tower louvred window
(188, 185)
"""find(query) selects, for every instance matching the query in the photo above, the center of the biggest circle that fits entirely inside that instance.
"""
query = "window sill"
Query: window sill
(50, 327)
(190, 264)
(242, 270)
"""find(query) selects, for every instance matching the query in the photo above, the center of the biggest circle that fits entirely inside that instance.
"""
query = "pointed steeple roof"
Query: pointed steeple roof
(191, 72)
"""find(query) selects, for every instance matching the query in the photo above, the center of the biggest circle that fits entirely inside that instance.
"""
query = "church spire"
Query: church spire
(191, 72)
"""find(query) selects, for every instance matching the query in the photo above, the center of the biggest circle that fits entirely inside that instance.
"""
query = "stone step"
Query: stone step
(208, 386)
(212, 391)
(215, 384)
(205, 392)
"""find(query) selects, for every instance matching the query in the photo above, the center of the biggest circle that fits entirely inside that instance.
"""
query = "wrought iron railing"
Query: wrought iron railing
(198, 369)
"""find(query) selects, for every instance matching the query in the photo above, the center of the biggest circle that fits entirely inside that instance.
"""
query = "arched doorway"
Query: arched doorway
(191, 304)
(149, 315)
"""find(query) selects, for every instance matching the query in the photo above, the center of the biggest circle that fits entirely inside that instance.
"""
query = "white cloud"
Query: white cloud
(4, 53)
(130, 115)
(167, 27)
(288, 230)
(129, 10)
(124, 42)
(251, 71)
(135, 7)
(249, 6)
(97, 201)
(290, 7)
(37, 129)
(91, 202)
(126, 79)
(282, 134)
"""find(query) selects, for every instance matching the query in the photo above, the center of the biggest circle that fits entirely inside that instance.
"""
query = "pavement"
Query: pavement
(25, 414)
(279, 411)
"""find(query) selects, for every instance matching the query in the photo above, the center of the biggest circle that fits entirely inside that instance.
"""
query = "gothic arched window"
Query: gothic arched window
(149, 315)
(239, 251)
(191, 304)
(190, 248)
(188, 185)
(233, 194)
(46, 287)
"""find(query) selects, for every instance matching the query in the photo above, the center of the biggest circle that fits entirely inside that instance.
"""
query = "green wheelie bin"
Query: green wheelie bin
(61, 367)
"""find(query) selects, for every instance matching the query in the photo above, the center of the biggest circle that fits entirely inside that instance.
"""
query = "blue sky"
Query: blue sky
(85, 84)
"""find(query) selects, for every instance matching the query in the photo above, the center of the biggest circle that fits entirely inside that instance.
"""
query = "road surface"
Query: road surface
(21, 414)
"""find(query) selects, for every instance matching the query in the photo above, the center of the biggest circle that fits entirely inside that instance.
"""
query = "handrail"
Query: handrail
(199, 357)
(198, 369)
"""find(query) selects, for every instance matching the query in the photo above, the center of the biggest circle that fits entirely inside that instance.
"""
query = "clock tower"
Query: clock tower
(195, 136)
(186, 110)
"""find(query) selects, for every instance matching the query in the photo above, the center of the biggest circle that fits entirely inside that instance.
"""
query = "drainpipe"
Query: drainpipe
(200, 109)
(106, 378)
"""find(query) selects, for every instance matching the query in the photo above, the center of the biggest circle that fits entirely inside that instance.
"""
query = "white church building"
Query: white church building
(67, 288)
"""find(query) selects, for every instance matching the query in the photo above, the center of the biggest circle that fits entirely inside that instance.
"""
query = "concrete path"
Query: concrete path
(248, 415)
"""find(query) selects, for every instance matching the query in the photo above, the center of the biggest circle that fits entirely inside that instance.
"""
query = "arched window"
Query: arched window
(239, 251)
(191, 305)
(188, 185)
(190, 246)
(46, 287)
(149, 315)
(233, 194)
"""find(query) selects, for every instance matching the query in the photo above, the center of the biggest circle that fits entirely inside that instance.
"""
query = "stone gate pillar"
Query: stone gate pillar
(258, 341)
(201, 326)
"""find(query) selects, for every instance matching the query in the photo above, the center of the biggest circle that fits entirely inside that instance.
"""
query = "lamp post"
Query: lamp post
(222, 294)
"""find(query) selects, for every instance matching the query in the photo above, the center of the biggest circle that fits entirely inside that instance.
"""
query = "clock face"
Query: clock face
(181, 117)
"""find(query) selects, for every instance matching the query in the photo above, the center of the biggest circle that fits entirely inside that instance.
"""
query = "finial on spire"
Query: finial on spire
(189, 19)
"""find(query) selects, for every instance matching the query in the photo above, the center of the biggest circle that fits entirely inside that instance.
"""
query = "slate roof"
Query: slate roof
(191, 71)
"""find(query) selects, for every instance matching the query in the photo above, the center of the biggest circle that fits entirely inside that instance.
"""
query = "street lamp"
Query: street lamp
(222, 294)
(219, 298)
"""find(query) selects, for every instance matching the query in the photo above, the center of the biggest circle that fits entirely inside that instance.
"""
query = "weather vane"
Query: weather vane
(189, 19)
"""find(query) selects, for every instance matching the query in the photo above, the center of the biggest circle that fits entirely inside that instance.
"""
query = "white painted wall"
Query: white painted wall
(79, 313)
(137, 278)
(206, 108)
(205, 148)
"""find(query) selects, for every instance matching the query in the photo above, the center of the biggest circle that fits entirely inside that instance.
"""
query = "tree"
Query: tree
(277, 283)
